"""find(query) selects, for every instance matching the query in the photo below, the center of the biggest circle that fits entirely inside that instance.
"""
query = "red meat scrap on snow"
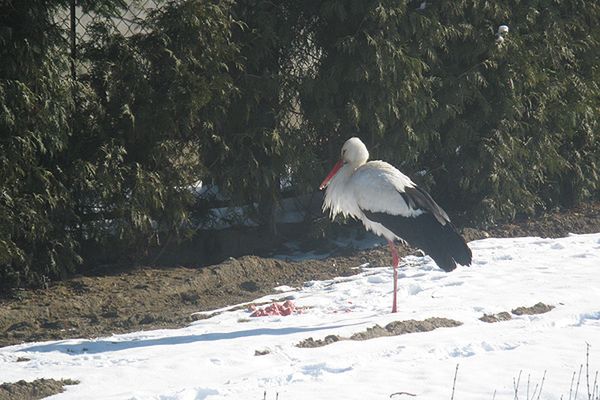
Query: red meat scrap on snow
(285, 308)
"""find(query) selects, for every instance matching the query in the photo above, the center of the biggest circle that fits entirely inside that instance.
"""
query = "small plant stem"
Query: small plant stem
(571, 387)
(578, 378)
(587, 369)
(534, 392)
(541, 385)
(516, 384)
(454, 383)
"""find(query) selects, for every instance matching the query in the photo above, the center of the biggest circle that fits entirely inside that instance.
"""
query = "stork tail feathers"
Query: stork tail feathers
(441, 242)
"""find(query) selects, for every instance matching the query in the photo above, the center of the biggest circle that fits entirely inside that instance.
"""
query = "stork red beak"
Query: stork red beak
(334, 171)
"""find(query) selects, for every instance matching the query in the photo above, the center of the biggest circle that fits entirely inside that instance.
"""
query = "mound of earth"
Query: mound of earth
(392, 329)
(491, 318)
(539, 308)
(149, 298)
(37, 389)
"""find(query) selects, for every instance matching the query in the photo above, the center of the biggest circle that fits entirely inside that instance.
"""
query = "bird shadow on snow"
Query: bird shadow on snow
(105, 345)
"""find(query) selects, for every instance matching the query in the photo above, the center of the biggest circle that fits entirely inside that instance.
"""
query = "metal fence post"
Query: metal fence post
(73, 40)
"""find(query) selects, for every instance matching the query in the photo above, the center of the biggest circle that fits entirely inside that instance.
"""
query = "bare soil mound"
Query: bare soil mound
(491, 318)
(539, 308)
(392, 329)
(37, 389)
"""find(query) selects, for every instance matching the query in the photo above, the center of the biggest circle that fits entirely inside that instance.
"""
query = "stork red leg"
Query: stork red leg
(395, 260)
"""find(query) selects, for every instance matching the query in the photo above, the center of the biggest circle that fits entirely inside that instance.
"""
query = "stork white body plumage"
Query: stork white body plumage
(391, 205)
(374, 186)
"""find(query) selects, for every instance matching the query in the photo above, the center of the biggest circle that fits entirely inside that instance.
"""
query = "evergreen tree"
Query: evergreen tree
(103, 163)
(496, 127)
(35, 111)
(247, 94)
(151, 102)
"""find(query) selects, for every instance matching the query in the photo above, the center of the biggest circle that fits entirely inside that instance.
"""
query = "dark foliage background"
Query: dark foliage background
(244, 94)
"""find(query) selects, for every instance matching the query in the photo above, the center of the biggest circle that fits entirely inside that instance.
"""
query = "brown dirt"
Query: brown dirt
(150, 298)
(539, 308)
(491, 318)
(392, 329)
(37, 389)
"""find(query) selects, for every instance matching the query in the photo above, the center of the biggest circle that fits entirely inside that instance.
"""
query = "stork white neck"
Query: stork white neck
(354, 154)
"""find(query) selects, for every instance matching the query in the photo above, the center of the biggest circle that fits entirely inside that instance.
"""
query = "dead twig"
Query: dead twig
(578, 378)
(516, 384)
(534, 392)
(587, 369)
(571, 387)
(595, 386)
(402, 393)
(541, 386)
(454, 383)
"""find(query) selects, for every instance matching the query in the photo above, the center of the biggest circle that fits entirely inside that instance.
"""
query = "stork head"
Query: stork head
(354, 154)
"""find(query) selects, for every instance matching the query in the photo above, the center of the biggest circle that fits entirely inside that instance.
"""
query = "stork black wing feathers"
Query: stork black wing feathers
(431, 231)
(417, 198)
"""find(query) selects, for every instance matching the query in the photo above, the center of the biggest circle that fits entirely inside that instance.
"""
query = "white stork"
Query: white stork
(391, 205)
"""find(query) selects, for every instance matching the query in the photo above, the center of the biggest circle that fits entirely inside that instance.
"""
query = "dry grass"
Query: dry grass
(587, 389)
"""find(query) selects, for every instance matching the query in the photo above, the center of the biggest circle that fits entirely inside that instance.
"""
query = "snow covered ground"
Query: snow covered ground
(215, 358)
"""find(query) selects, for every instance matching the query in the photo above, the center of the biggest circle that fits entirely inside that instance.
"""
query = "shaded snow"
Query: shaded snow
(215, 358)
